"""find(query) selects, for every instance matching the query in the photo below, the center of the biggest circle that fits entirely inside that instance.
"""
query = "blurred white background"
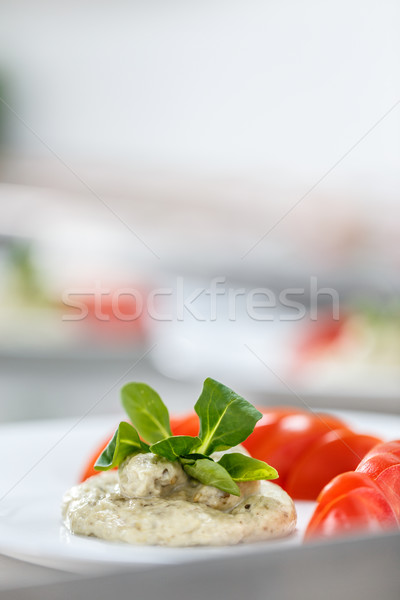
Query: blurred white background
(277, 89)
(142, 141)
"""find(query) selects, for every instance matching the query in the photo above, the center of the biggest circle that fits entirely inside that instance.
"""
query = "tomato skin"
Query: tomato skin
(266, 426)
(389, 483)
(384, 448)
(342, 484)
(336, 488)
(334, 453)
(374, 465)
(363, 509)
(384, 469)
(283, 445)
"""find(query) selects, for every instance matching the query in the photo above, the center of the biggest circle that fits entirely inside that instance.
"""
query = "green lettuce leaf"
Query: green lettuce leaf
(211, 473)
(246, 468)
(226, 419)
(173, 447)
(147, 411)
(124, 442)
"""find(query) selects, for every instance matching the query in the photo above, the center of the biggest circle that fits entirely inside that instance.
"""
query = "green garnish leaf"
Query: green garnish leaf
(246, 468)
(124, 442)
(226, 419)
(173, 447)
(147, 411)
(211, 473)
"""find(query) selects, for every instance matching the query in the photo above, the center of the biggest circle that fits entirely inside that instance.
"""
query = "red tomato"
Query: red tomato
(342, 484)
(339, 486)
(265, 427)
(335, 452)
(89, 470)
(384, 469)
(361, 509)
(389, 483)
(290, 437)
(187, 424)
(391, 447)
(375, 464)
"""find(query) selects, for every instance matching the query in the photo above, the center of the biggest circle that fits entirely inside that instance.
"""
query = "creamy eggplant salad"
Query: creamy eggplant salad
(181, 490)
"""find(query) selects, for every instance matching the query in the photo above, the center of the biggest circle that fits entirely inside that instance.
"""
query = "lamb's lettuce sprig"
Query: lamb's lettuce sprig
(226, 420)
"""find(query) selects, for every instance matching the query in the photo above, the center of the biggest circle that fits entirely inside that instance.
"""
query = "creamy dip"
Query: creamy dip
(152, 501)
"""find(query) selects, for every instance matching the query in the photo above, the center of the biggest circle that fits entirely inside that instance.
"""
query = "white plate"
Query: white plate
(44, 459)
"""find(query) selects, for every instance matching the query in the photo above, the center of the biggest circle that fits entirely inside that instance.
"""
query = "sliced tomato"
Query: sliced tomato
(363, 509)
(338, 487)
(285, 442)
(335, 452)
(389, 483)
(391, 447)
(375, 464)
(384, 469)
(88, 470)
(341, 485)
(187, 424)
(265, 427)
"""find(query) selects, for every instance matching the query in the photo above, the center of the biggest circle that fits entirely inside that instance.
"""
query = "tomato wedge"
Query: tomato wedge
(265, 427)
(363, 509)
(334, 453)
(283, 443)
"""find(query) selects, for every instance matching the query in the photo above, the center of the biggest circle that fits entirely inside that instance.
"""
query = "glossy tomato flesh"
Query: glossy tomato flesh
(363, 509)
(266, 426)
(290, 437)
(384, 469)
(334, 453)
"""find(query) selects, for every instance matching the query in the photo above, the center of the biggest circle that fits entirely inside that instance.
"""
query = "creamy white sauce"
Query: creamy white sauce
(152, 501)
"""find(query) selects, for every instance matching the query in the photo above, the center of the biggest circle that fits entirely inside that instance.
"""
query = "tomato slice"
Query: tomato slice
(342, 484)
(386, 447)
(389, 483)
(335, 452)
(384, 469)
(265, 427)
(338, 487)
(374, 465)
(363, 509)
(283, 444)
